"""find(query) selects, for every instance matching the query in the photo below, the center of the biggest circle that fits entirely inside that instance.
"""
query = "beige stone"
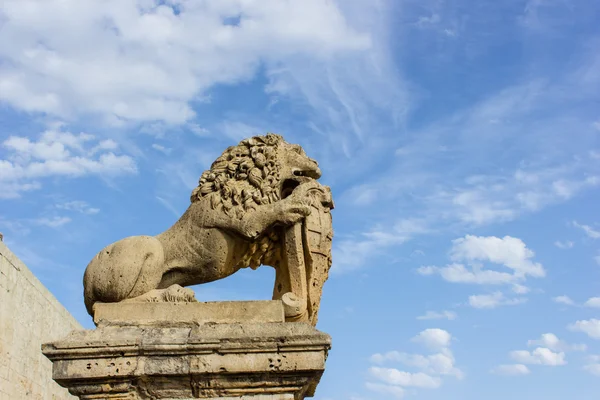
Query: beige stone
(168, 360)
(259, 204)
(199, 313)
(29, 316)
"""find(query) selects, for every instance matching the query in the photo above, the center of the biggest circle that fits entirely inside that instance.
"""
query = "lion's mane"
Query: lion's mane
(240, 180)
(243, 177)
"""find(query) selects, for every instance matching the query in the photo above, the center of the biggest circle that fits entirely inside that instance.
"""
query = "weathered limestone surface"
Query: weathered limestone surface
(199, 313)
(183, 359)
(29, 316)
(258, 204)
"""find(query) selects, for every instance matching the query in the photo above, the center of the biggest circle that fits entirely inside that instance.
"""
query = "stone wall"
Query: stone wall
(29, 316)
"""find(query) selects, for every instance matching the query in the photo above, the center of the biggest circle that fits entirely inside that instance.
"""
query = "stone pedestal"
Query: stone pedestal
(230, 350)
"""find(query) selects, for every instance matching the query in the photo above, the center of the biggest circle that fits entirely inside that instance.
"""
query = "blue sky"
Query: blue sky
(461, 141)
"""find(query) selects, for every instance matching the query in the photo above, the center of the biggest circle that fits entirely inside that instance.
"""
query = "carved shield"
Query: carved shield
(317, 238)
(306, 257)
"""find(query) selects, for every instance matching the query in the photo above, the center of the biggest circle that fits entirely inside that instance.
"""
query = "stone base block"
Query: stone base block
(186, 360)
(218, 312)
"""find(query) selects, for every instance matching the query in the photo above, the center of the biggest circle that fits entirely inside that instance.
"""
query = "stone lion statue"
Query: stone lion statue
(250, 208)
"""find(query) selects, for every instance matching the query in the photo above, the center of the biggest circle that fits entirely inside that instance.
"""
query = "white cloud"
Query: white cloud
(508, 251)
(57, 153)
(550, 352)
(564, 245)
(78, 206)
(161, 148)
(53, 222)
(566, 300)
(590, 327)
(489, 199)
(593, 358)
(237, 130)
(520, 289)
(352, 253)
(386, 390)
(589, 231)
(597, 259)
(433, 338)
(458, 273)
(107, 144)
(493, 300)
(593, 302)
(511, 369)
(541, 356)
(593, 365)
(482, 200)
(552, 342)
(198, 130)
(441, 363)
(12, 190)
(593, 369)
(495, 195)
(474, 208)
(133, 60)
(431, 368)
(450, 315)
(392, 376)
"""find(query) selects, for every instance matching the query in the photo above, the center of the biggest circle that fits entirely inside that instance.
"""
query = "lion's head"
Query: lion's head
(259, 170)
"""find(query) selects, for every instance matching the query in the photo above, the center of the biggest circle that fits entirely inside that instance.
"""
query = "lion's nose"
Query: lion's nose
(316, 173)
(309, 172)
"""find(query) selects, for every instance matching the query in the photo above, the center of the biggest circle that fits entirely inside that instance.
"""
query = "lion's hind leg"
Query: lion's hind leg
(125, 269)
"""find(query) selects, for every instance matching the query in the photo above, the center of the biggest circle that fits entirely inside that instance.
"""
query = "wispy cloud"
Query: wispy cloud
(450, 315)
(78, 206)
(511, 370)
(469, 138)
(493, 300)
(177, 213)
(593, 365)
(386, 390)
(53, 222)
(441, 363)
(238, 130)
(352, 253)
(564, 245)
(566, 300)
(589, 231)
(161, 148)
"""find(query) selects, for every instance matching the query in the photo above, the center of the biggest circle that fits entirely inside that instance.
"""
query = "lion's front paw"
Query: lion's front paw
(293, 213)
